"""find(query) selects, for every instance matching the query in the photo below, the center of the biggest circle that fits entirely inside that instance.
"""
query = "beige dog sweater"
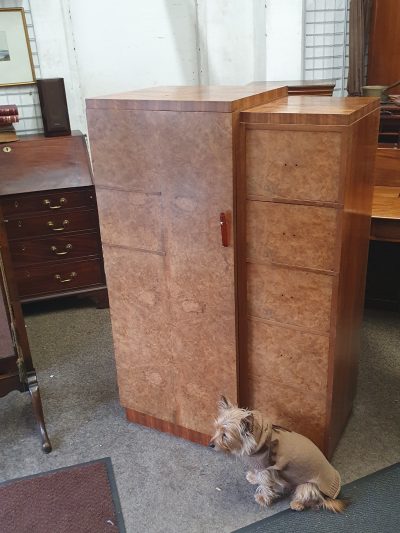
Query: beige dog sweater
(296, 457)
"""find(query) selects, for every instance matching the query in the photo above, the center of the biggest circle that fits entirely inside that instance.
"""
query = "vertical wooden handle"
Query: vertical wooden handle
(224, 229)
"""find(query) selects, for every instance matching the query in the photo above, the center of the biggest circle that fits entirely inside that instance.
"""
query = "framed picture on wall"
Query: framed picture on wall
(16, 65)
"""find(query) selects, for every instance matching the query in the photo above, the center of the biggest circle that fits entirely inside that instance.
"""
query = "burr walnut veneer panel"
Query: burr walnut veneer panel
(305, 255)
(302, 165)
(163, 179)
(298, 235)
(251, 311)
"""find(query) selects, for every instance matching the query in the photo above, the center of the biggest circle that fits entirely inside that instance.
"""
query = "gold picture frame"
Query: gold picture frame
(16, 64)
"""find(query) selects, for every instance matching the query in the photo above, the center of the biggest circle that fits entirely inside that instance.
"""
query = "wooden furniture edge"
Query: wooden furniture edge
(166, 427)
(260, 97)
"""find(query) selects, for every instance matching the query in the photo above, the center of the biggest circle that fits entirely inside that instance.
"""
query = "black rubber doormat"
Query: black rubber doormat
(77, 499)
(375, 508)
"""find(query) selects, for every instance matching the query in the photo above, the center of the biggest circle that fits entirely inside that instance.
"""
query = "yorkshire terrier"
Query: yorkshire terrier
(281, 461)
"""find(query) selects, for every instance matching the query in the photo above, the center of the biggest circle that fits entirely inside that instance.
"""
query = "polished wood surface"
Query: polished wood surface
(309, 194)
(386, 202)
(387, 167)
(298, 87)
(37, 163)
(385, 224)
(160, 199)
(65, 247)
(384, 44)
(51, 202)
(317, 110)
(166, 427)
(185, 327)
(51, 223)
(49, 230)
(57, 278)
(220, 99)
(347, 311)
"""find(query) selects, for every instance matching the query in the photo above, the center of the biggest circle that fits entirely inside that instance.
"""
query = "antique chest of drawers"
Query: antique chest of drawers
(50, 213)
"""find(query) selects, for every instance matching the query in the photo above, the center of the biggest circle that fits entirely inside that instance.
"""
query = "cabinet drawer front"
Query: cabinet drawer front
(292, 234)
(290, 296)
(297, 165)
(61, 277)
(51, 224)
(54, 248)
(52, 202)
(286, 355)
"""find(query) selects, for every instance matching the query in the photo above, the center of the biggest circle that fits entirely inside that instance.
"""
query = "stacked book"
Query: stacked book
(8, 117)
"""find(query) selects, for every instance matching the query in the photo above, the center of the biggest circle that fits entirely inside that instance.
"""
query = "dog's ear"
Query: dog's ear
(223, 403)
(248, 423)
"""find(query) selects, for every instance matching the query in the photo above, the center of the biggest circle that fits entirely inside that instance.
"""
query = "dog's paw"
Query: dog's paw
(296, 505)
(262, 500)
(252, 477)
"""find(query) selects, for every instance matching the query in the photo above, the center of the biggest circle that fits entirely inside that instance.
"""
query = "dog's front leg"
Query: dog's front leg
(265, 493)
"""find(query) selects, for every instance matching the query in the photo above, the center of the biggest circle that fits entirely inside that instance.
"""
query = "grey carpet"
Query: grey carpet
(374, 509)
(166, 484)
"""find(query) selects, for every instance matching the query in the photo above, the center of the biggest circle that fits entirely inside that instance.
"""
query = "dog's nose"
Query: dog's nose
(211, 444)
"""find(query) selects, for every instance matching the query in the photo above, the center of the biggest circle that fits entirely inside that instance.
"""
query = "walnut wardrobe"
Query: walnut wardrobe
(235, 224)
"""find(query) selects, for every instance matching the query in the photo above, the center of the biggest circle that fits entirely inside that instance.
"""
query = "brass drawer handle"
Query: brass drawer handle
(47, 203)
(68, 248)
(65, 280)
(65, 222)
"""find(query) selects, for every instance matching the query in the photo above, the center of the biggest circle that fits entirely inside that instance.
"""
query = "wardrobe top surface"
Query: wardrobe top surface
(221, 99)
(320, 110)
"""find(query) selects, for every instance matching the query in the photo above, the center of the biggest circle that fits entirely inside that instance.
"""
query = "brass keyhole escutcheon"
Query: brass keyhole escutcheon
(7, 149)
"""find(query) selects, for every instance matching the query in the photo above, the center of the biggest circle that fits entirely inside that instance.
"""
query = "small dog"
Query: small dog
(281, 461)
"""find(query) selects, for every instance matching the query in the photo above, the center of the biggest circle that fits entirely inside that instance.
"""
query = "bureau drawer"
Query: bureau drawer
(62, 277)
(52, 224)
(296, 165)
(52, 202)
(57, 247)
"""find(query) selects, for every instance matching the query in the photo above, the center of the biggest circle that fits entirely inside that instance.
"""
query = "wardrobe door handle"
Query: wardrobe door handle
(224, 229)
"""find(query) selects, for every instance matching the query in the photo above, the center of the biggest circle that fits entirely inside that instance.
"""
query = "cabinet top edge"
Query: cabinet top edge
(304, 109)
(220, 99)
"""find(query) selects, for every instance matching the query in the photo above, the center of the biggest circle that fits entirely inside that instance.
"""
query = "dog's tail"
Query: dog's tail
(336, 506)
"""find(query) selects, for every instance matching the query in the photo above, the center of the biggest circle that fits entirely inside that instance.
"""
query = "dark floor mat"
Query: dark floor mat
(375, 508)
(77, 499)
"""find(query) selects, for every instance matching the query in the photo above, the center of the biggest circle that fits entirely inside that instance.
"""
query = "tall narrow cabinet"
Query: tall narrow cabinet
(234, 224)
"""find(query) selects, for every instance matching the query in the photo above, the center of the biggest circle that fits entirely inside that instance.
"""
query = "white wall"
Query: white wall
(55, 45)
(130, 44)
(284, 39)
(101, 47)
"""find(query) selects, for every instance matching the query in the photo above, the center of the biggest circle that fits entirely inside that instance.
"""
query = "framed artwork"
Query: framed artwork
(16, 66)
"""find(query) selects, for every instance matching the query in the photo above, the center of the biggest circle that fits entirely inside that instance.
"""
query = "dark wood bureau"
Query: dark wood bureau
(50, 215)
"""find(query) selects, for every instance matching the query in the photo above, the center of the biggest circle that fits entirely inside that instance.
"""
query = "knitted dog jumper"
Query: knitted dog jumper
(297, 458)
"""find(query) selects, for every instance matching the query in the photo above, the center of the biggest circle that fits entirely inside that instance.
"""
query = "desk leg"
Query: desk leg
(38, 410)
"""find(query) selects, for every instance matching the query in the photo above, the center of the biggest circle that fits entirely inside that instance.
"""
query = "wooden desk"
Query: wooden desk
(383, 280)
(301, 87)
(50, 216)
(385, 223)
